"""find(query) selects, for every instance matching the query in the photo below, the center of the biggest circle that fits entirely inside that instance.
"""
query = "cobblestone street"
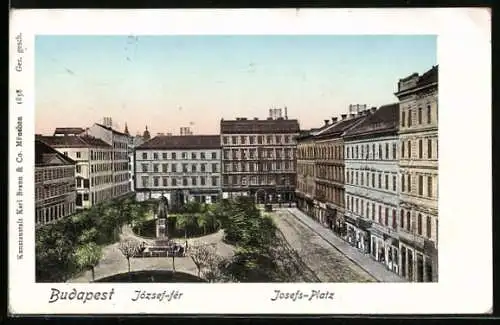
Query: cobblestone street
(328, 264)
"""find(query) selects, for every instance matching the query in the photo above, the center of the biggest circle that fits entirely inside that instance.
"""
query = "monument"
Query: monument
(161, 218)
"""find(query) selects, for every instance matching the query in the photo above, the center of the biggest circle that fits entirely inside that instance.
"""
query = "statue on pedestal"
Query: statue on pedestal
(162, 218)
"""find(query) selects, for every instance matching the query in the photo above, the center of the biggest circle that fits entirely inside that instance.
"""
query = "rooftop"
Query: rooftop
(110, 129)
(48, 156)
(69, 130)
(73, 141)
(187, 142)
(386, 118)
(341, 126)
(244, 126)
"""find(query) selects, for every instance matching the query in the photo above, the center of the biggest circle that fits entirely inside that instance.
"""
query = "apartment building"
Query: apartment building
(259, 158)
(94, 175)
(55, 193)
(371, 189)
(418, 162)
(119, 142)
(187, 166)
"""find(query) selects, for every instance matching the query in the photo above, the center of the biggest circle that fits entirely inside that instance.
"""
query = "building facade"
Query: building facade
(179, 166)
(418, 142)
(371, 189)
(55, 193)
(329, 203)
(259, 158)
(94, 175)
(120, 156)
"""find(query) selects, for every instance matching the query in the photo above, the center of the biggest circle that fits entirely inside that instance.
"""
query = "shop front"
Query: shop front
(418, 260)
(392, 253)
(357, 234)
(331, 216)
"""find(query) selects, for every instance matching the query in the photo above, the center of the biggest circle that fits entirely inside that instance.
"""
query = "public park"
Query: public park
(233, 240)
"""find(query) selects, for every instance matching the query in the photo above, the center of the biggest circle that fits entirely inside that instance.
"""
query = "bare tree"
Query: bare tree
(129, 248)
(202, 255)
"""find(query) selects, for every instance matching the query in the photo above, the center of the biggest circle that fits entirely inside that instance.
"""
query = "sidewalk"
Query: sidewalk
(377, 270)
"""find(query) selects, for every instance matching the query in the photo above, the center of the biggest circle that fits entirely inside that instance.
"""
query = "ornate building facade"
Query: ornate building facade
(418, 142)
(179, 168)
(55, 193)
(259, 158)
(372, 191)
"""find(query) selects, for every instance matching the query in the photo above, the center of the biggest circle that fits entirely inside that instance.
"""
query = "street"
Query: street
(324, 260)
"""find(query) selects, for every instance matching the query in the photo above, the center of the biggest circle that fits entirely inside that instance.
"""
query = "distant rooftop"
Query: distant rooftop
(73, 141)
(384, 119)
(256, 126)
(69, 130)
(110, 129)
(182, 142)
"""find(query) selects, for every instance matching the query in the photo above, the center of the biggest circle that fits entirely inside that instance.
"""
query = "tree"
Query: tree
(88, 256)
(129, 248)
(88, 236)
(202, 255)
(184, 222)
(203, 221)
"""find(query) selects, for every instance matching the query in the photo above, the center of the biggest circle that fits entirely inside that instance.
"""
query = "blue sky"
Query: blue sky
(170, 81)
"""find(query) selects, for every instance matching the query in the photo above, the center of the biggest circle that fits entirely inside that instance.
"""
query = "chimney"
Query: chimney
(286, 113)
(327, 122)
(334, 119)
(352, 115)
(271, 113)
(373, 109)
(255, 118)
(343, 116)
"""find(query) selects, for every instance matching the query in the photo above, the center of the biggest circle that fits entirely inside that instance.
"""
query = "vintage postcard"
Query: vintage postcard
(250, 161)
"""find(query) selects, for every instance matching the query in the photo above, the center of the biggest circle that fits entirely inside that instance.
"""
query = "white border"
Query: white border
(465, 247)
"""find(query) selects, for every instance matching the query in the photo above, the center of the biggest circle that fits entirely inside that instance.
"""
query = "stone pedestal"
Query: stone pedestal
(161, 227)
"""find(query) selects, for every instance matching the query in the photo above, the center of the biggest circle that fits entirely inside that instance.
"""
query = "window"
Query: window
(420, 185)
(259, 139)
(215, 180)
(403, 118)
(402, 221)
(174, 155)
(386, 151)
(402, 149)
(193, 168)
(269, 139)
(409, 118)
(348, 152)
(394, 221)
(409, 149)
(174, 181)
(144, 168)
(394, 148)
(202, 155)
(164, 156)
(420, 115)
(234, 140)
(214, 168)
(165, 181)
(373, 211)
(386, 223)
(429, 186)
(144, 155)
(420, 149)
(403, 188)
(214, 155)
(66, 153)
(429, 148)
(193, 181)
(78, 169)
(429, 112)
(225, 140)
(287, 139)
(408, 220)
(242, 139)
(380, 152)
(356, 178)
(202, 180)
(78, 154)
(184, 168)
(379, 180)
(419, 224)
(409, 183)
(164, 168)
(193, 155)
(362, 178)
(145, 181)
(394, 188)
(184, 181)
(386, 182)
(380, 214)
(155, 155)
(174, 168)
(156, 181)
(155, 168)
(373, 180)
(428, 227)
(85, 197)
